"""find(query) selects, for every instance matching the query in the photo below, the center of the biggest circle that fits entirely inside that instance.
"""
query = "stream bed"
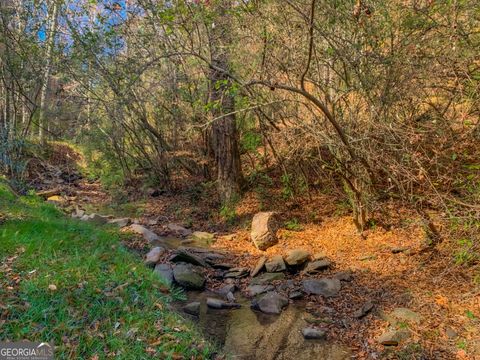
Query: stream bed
(251, 335)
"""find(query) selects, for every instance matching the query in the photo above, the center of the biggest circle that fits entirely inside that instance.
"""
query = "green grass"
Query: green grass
(73, 284)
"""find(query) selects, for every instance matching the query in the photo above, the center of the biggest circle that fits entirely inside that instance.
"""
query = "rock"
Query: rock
(78, 213)
(121, 223)
(55, 199)
(187, 257)
(287, 285)
(397, 250)
(325, 287)
(254, 290)
(193, 308)
(451, 334)
(364, 310)
(270, 303)
(154, 255)
(275, 264)
(295, 295)
(237, 273)
(318, 265)
(230, 297)
(312, 334)
(230, 237)
(393, 337)
(179, 230)
(264, 230)
(220, 304)
(367, 257)
(319, 256)
(344, 276)
(212, 257)
(258, 267)
(188, 277)
(152, 222)
(95, 218)
(267, 278)
(165, 272)
(296, 257)
(224, 290)
(404, 314)
(146, 233)
(203, 236)
(222, 266)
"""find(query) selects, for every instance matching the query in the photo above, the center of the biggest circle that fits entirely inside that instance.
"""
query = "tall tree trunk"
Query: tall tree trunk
(51, 29)
(224, 127)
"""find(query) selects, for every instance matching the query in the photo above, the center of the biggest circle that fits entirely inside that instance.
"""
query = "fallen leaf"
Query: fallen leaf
(52, 287)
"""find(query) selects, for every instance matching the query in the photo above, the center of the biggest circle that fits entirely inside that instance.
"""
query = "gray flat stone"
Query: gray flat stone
(275, 264)
(313, 334)
(188, 277)
(393, 337)
(325, 287)
(192, 308)
(165, 272)
(258, 267)
(154, 255)
(146, 233)
(187, 257)
(296, 257)
(318, 265)
(267, 278)
(254, 290)
(220, 304)
(121, 223)
(224, 290)
(270, 303)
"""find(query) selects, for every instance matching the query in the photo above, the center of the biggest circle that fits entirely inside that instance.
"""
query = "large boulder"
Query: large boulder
(275, 264)
(296, 257)
(270, 303)
(264, 230)
(325, 287)
(187, 276)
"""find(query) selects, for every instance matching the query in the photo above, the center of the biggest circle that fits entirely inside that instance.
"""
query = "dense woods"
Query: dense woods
(374, 104)
(377, 99)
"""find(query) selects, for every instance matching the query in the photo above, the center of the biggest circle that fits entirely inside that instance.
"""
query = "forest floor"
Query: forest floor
(392, 264)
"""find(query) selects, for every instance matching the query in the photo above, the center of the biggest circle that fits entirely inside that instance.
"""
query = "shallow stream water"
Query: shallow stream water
(250, 335)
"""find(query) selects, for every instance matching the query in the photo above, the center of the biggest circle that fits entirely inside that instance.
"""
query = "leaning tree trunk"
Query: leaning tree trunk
(224, 127)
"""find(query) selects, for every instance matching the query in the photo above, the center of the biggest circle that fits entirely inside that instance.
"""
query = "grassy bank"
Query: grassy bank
(73, 284)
